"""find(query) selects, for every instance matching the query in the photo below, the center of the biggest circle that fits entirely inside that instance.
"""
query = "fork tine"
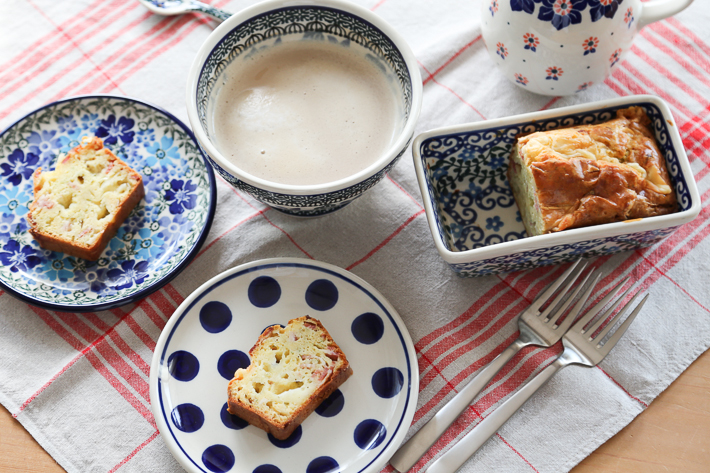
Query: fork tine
(562, 294)
(541, 299)
(572, 316)
(579, 326)
(606, 315)
(558, 313)
(622, 328)
(616, 318)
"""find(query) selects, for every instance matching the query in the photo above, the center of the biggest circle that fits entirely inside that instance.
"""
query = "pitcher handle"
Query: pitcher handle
(659, 9)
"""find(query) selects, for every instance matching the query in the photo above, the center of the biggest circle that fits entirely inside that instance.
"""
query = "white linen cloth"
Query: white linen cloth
(79, 382)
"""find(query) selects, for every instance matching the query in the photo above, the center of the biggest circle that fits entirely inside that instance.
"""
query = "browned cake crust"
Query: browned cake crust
(572, 191)
(71, 245)
(322, 363)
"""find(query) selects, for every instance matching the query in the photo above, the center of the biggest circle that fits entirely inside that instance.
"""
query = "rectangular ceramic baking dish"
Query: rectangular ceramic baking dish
(470, 207)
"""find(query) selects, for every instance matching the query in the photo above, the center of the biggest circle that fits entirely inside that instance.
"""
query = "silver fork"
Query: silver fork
(582, 346)
(536, 328)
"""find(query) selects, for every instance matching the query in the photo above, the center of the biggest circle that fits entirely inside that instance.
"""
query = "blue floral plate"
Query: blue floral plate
(357, 429)
(155, 243)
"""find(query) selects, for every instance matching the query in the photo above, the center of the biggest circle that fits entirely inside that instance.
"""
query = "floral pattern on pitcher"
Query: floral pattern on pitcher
(629, 17)
(614, 57)
(501, 50)
(521, 79)
(553, 73)
(531, 41)
(563, 13)
(590, 45)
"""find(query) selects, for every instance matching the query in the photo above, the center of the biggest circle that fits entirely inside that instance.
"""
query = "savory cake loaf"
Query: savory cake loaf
(79, 206)
(292, 370)
(590, 174)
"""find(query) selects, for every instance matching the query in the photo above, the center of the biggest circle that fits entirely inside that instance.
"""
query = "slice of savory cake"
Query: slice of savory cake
(79, 206)
(292, 370)
(590, 174)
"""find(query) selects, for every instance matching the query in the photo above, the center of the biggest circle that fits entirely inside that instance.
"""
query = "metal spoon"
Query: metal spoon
(178, 7)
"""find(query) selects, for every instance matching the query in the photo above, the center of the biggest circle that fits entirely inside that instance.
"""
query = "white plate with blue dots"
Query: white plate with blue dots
(357, 429)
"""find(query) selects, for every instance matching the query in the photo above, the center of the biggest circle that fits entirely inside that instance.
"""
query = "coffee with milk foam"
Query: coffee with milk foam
(306, 112)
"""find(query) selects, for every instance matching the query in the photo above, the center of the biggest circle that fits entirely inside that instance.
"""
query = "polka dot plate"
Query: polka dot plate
(157, 240)
(357, 429)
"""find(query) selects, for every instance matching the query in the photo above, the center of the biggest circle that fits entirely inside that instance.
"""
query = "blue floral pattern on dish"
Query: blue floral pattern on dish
(474, 206)
(161, 234)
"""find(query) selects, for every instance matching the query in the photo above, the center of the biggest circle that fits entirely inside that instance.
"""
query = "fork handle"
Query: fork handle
(415, 448)
(472, 441)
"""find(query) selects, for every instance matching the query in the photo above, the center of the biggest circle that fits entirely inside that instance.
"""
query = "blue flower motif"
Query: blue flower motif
(90, 122)
(43, 144)
(128, 274)
(112, 131)
(173, 228)
(19, 257)
(149, 246)
(13, 201)
(497, 162)
(6, 225)
(19, 166)
(181, 195)
(562, 13)
(66, 124)
(494, 223)
(144, 137)
(603, 8)
(94, 277)
(528, 6)
(58, 268)
(474, 189)
(163, 153)
(71, 140)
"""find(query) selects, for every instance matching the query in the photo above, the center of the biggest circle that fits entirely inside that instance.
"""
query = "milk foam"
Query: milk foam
(305, 112)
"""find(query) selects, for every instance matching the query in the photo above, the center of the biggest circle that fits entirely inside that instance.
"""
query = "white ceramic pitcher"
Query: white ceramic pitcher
(560, 47)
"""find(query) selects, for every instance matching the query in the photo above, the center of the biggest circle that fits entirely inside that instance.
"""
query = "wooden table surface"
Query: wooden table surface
(672, 435)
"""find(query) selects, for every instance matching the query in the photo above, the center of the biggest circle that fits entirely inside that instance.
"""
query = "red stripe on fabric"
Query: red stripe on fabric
(287, 236)
(96, 321)
(622, 388)
(162, 303)
(456, 354)
(78, 325)
(140, 333)
(45, 49)
(521, 374)
(517, 453)
(377, 5)
(386, 240)
(672, 77)
(491, 315)
(164, 42)
(124, 370)
(550, 103)
(71, 40)
(257, 213)
(451, 385)
(58, 329)
(135, 452)
(496, 290)
(451, 59)
(152, 313)
(160, 44)
(450, 90)
(404, 191)
(118, 386)
(699, 42)
(660, 29)
(130, 353)
(174, 294)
